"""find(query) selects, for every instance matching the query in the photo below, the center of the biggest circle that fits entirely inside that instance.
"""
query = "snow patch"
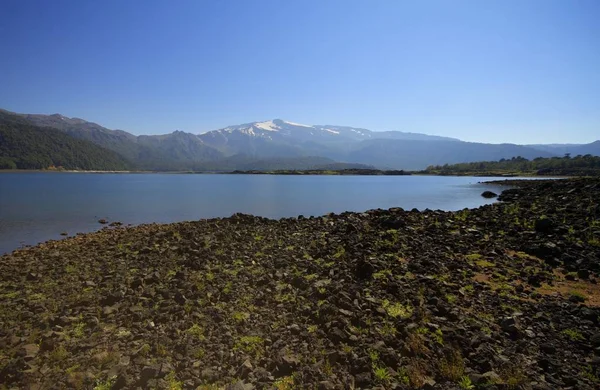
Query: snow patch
(296, 124)
(267, 125)
(332, 131)
(360, 132)
(247, 130)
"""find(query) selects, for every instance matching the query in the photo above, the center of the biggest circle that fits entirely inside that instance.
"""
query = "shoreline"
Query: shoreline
(391, 298)
(302, 173)
(59, 236)
(64, 232)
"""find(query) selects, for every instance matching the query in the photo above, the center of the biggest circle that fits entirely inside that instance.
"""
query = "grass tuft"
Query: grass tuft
(396, 309)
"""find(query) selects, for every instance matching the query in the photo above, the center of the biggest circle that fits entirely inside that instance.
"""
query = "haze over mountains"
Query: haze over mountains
(279, 144)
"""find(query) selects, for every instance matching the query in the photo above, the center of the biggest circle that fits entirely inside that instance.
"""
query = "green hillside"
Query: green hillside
(26, 146)
(561, 166)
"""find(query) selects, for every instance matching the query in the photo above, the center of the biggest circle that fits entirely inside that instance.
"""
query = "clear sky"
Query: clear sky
(483, 70)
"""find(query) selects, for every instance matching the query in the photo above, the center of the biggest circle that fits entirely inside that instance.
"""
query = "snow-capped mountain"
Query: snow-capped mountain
(277, 128)
(268, 129)
(291, 136)
(395, 149)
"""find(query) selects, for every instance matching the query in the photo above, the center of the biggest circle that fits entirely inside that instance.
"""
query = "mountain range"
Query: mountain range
(24, 145)
(280, 144)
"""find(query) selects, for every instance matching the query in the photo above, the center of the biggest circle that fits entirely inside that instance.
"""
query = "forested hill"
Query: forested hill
(26, 146)
(563, 166)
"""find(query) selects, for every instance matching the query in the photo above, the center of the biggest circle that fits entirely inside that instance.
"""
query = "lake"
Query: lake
(36, 207)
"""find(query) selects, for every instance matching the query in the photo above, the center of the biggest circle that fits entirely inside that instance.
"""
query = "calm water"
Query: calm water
(36, 207)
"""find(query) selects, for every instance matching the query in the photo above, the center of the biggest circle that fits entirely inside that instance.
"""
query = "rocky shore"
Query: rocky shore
(505, 296)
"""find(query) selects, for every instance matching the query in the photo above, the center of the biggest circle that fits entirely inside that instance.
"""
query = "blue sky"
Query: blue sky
(490, 71)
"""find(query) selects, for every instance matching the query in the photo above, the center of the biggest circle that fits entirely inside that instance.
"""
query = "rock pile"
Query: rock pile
(504, 296)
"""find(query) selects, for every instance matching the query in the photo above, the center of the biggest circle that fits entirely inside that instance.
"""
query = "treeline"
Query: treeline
(567, 166)
(26, 146)
(247, 163)
(340, 172)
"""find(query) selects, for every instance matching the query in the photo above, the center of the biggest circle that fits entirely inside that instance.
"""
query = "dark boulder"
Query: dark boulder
(362, 379)
(583, 274)
(511, 326)
(392, 222)
(548, 348)
(544, 225)
(595, 340)
(576, 298)
(548, 252)
(489, 194)
(364, 270)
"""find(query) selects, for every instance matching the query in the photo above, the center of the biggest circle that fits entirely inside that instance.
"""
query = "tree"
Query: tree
(7, 163)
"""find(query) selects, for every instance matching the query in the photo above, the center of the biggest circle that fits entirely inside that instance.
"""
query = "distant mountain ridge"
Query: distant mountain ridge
(592, 148)
(281, 128)
(386, 149)
(24, 145)
(169, 152)
(280, 144)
